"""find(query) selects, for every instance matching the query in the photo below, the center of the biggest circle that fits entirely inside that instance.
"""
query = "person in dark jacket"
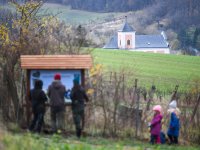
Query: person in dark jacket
(78, 96)
(156, 125)
(174, 125)
(38, 99)
(56, 93)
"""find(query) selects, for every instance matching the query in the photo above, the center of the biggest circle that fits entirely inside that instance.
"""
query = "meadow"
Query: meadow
(164, 71)
(57, 142)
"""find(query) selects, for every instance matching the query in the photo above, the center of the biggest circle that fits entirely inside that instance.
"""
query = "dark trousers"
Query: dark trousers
(57, 118)
(78, 117)
(154, 139)
(173, 139)
(37, 122)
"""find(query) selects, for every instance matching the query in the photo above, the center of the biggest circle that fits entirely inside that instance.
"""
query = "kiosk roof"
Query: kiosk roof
(56, 61)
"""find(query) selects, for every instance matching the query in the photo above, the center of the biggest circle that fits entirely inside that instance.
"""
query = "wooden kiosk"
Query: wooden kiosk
(44, 67)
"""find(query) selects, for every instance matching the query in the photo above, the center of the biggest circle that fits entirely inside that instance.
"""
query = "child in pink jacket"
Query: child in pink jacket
(156, 125)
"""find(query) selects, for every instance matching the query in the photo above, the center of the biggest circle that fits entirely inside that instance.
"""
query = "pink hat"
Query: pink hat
(157, 108)
(57, 76)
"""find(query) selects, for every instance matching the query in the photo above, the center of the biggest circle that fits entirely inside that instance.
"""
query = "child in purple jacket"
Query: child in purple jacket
(156, 125)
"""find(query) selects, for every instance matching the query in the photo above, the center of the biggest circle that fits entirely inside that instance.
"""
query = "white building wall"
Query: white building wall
(133, 39)
(153, 50)
(122, 37)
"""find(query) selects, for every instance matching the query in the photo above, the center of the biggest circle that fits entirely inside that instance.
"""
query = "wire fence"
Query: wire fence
(116, 109)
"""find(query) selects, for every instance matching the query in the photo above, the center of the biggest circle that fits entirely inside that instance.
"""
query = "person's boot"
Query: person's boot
(78, 133)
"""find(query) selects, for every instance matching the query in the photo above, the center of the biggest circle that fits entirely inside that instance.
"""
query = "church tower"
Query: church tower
(126, 36)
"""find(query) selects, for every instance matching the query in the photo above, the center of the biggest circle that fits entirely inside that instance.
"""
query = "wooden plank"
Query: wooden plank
(56, 61)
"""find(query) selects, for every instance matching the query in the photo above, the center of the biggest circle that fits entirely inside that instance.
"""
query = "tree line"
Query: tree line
(183, 15)
(189, 8)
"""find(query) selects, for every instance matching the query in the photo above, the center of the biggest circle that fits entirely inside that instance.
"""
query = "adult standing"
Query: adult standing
(56, 93)
(78, 97)
(38, 99)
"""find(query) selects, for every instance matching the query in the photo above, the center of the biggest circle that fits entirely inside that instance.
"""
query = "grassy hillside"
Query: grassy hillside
(165, 71)
(76, 16)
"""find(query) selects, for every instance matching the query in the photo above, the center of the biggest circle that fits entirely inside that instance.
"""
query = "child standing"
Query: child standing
(173, 129)
(155, 125)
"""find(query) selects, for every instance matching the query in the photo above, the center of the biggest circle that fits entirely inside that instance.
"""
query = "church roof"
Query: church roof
(112, 44)
(150, 41)
(126, 28)
(141, 41)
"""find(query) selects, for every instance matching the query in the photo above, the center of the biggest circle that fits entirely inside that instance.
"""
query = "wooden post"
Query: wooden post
(174, 95)
(136, 115)
(110, 77)
(151, 94)
(135, 90)
(83, 85)
(28, 108)
(137, 112)
(195, 108)
(82, 78)
(134, 95)
(115, 76)
(123, 88)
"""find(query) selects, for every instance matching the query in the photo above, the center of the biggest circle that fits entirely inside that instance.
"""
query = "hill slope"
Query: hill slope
(76, 17)
(165, 71)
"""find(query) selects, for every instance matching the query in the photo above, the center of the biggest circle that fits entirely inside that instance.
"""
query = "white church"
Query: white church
(127, 39)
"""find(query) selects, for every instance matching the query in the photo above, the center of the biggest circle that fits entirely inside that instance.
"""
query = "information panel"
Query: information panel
(47, 76)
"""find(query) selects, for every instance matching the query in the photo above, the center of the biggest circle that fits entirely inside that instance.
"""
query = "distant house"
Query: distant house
(126, 39)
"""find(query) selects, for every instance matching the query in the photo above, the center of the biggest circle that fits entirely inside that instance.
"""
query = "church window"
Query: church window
(128, 42)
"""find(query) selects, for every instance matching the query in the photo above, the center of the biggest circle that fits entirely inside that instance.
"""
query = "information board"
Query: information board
(47, 76)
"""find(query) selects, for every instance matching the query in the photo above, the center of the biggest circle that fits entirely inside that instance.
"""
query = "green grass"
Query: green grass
(76, 16)
(56, 142)
(165, 71)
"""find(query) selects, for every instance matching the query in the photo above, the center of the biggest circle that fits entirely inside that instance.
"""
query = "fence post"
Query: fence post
(151, 94)
(137, 112)
(174, 93)
(195, 108)
(110, 77)
(137, 92)
(123, 88)
(135, 86)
